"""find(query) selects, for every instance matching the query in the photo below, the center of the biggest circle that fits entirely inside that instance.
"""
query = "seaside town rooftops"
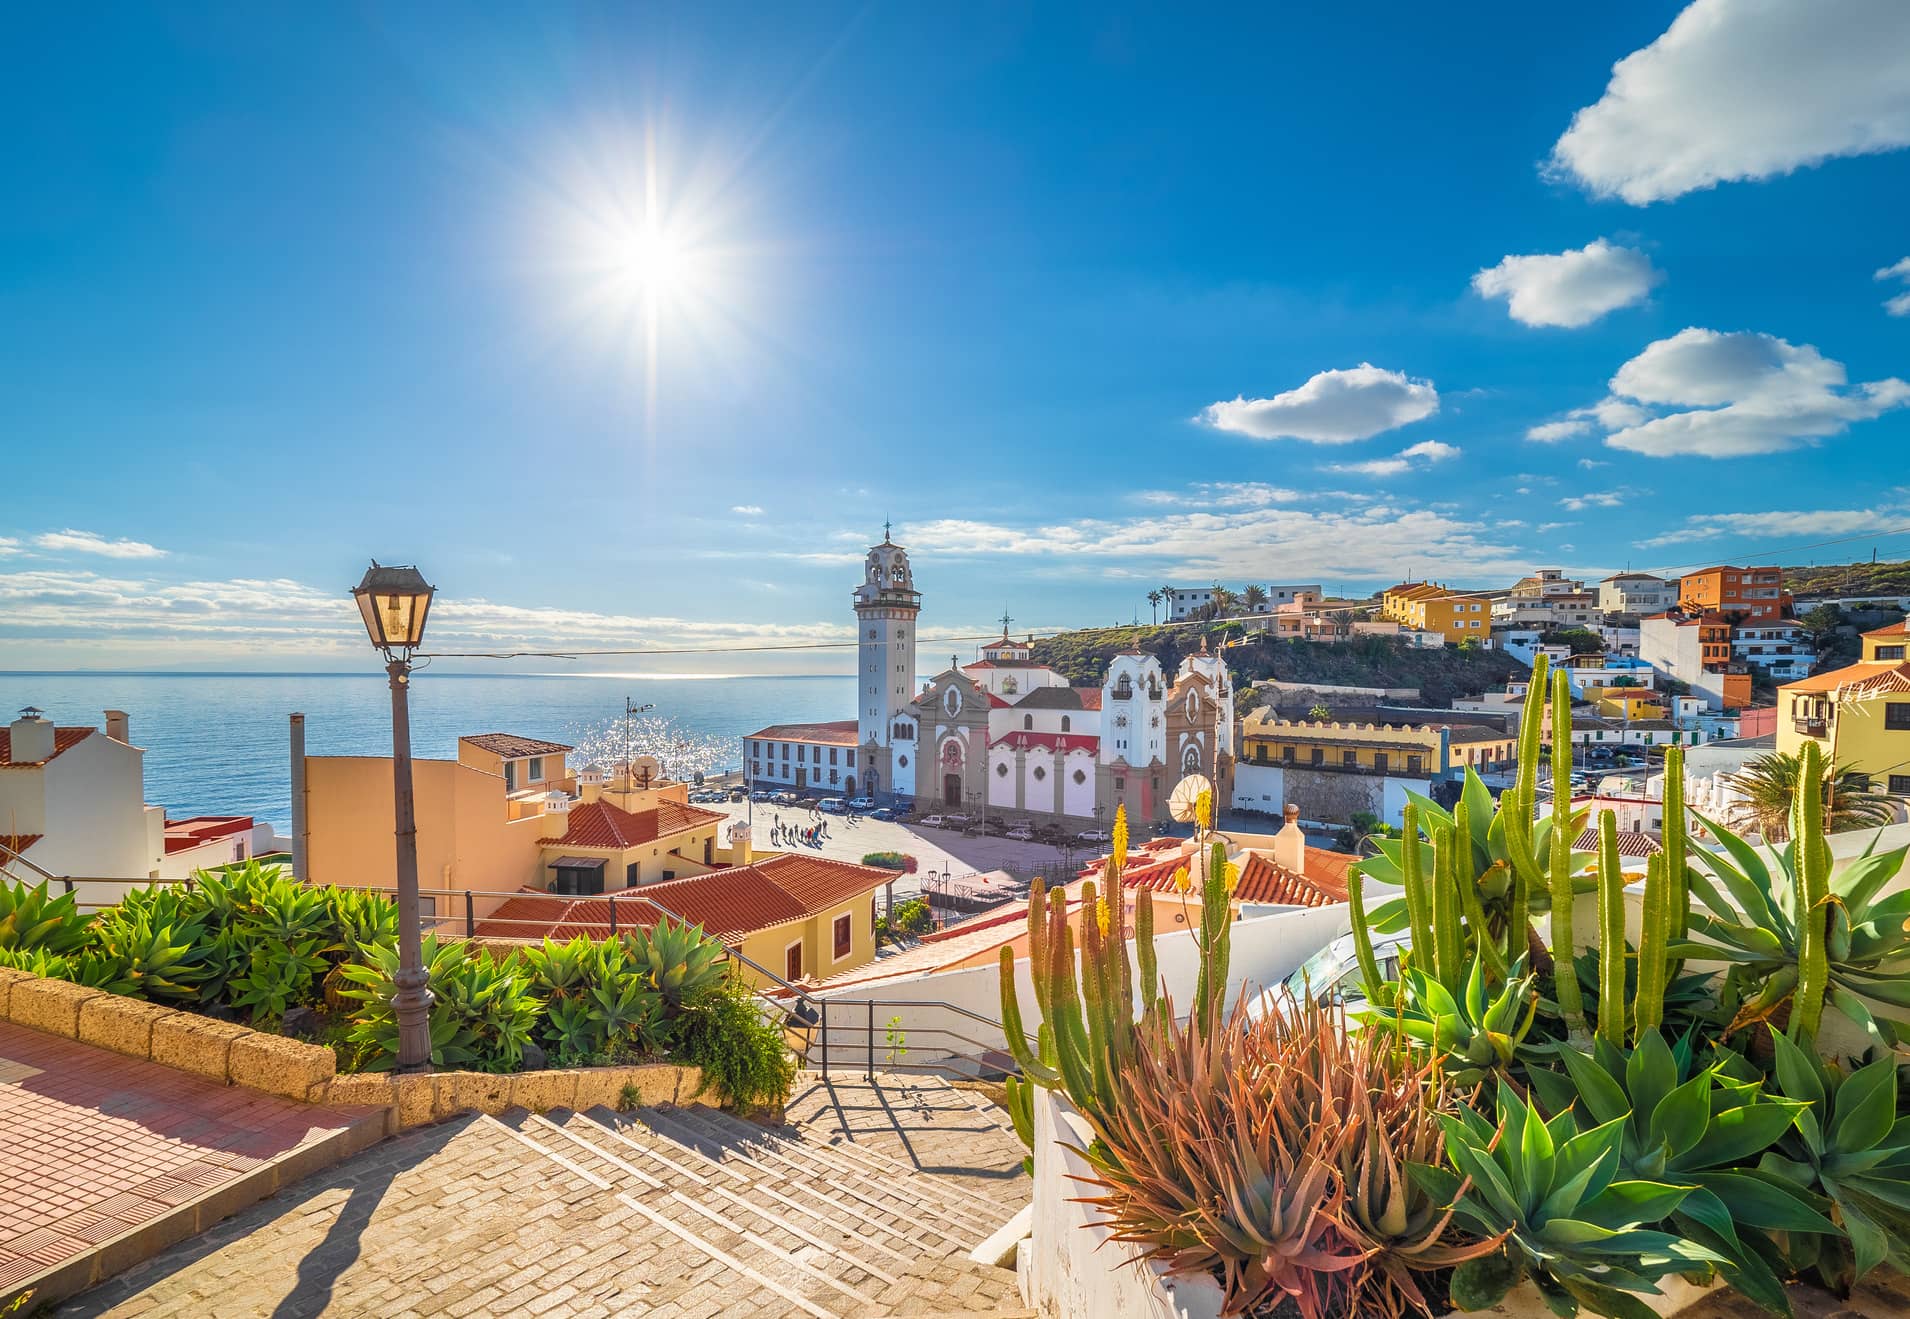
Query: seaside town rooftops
(1858, 679)
(198, 830)
(600, 824)
(728, 903)
(64, 740)
(512, 747)
(1899, 628)
(838, 732)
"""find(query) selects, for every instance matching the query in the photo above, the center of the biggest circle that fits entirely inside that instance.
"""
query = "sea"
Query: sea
(218, 743)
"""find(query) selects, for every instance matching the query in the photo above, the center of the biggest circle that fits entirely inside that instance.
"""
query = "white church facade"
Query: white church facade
(1005, 735)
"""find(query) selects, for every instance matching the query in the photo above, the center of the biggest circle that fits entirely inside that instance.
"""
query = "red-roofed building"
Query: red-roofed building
(72, 803)
(803, 757)
(799, 917)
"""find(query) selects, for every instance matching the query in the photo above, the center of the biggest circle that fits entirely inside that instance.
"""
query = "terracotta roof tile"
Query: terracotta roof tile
(1863, 679)
(64, 740)
(1897, 629)
(729, 903)
(601, 824)
(1635, 845)
(512, 747)
(18, 843)
(839, 732)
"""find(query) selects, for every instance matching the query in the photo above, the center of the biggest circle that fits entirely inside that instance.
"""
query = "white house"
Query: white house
(73, 800)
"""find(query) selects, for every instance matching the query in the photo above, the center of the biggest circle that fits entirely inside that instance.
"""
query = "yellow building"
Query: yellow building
(1859, 715)
(797, 917)
(1430, 607)
(1627, 703)
(1410, 750)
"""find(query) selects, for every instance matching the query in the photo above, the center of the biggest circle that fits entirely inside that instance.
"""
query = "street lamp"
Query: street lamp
(394, 602)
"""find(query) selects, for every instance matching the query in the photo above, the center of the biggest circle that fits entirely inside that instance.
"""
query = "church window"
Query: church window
(1040, 773)
(1001, 769)
(1080, 776)
(1027, 723)
(1124, 689)
(872, 634)
(1120, 785)
(1066, 723)
(902, 635)
(902, 761)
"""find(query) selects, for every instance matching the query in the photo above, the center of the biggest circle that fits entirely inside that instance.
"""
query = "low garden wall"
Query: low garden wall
(232, 1054)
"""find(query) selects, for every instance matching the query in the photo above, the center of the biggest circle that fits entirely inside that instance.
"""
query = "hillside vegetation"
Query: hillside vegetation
(1887, 578)
(1440, 675)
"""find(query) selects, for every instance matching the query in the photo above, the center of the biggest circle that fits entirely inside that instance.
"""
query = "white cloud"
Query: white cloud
(1899, 305)
(1592, 464)
(1732, 394)
(1595, 499)
(1552, 432)
(1427, 451)
(1223, 494)
(1744, 89)
(9, 545)
(1814, 522)
(1608, 413)
(90, 542)
(747, 510)
(1544, 527)
(1333, 407)
(1571, 288)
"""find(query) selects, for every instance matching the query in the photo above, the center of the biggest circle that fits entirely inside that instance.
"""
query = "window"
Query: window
(510, 776)
(792, 961)
(536, 770)
(1349, 758)
(1066, 723)
(1001, 769)
(1413, 765)
(842, 936)
(632, 873)
(1027, 723)
(1040, 773)
(1896, 716)
(1890, 652)
(1319, 756)
(1379, 762)
(1900, 784)
(1120, 785)
(1286, 754)
(1080, 777)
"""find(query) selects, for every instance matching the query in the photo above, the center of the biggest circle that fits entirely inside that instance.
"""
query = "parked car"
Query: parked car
(861, 803)
(958, 821)
(833, 805)
(1095, 836)
(737, 794)
(933, 822)
(1021, 833)
(787, 799)
(882, 813)
(987, 828)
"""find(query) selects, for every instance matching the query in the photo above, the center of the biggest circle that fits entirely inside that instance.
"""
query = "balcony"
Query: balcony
(1811, 727)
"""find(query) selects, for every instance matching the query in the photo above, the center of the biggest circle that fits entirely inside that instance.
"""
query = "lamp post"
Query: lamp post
(394, 602)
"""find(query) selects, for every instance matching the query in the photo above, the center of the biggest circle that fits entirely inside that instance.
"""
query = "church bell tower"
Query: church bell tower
(886, 605)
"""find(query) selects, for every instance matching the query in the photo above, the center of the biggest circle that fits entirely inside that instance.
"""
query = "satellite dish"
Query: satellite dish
(646, 769)
(1180, 802)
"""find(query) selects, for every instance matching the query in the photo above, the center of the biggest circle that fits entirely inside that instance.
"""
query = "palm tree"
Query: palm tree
(1255, 598)
(1154, 603)
(1223, 601)
(1769, 784)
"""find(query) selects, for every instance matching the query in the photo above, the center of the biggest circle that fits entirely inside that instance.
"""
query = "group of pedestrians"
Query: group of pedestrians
(794, 835)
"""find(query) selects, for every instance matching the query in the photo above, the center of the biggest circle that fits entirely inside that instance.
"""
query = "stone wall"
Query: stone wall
(232, 1054)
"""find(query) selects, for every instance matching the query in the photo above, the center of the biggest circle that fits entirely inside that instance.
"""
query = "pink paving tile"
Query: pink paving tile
(93, 1143)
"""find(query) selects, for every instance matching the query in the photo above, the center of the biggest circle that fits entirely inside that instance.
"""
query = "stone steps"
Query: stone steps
(829, 1230)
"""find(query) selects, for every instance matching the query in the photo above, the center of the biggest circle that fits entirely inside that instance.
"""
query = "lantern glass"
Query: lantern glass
(394, 602)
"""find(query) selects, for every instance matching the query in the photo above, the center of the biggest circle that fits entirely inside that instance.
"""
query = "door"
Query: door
(802, 779)
(792, 962)
(951, 789)
(849, 785)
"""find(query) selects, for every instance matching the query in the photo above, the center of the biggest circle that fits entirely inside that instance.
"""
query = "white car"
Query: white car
(933, 822)
(1021, 833)
(861, 803)
(1095, 836)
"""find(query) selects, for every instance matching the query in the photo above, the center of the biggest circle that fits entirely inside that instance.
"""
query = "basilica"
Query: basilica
(1005, 734)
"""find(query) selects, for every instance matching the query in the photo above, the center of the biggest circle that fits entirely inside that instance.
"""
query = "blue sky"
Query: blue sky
(631, 324)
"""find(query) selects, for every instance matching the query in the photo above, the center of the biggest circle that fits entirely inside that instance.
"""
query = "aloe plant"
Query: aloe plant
(679, 962)
(1851, 1146)
(1693, 1123)
(1581, 1232)
(1767, 920)
(1472, 1034)
(30, 920)
(481, 1013)
(161, 961)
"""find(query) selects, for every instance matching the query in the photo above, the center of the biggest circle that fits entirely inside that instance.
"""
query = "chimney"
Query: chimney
(32, 735)
(739, 843)
(1289, 845)
(118, 727)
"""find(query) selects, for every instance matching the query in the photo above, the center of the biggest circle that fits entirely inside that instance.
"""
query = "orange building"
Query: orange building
(1742, 593)
(1430, 607)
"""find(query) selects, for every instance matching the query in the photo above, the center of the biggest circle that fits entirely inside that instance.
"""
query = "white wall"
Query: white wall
(1077, 799)
(95, 814)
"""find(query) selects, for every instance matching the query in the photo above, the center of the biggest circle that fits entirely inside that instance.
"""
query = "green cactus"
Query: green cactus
(1648, 1011)
(1362, 936)
(1676, 835)
(1144, 952)
(1413, 880)
(1611, 934)
(1216, 943)
(1813, 904)
(1564, 945)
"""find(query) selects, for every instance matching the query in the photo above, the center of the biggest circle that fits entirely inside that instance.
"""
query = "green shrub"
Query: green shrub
(897, 861)
(29, 920)
(913, 917)
(482, 1011)
(744, 1060)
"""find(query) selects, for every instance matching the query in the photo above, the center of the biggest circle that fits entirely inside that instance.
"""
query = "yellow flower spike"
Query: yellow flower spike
(1101, 916)
(1204, 809)
(1120, 836)
(1233, 877)
(1182, 880)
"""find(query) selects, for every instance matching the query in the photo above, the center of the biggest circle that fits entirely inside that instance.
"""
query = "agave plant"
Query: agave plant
(30, 921)
(679, 962)
(560, 972)
(93, 969)
(481, 1014)
(1759, 929)
(627, 1015)
(1472, 1035)
(1694, 1123)
(1569, 1221)
(1849, 1145)
(277, 977)
(160, 959)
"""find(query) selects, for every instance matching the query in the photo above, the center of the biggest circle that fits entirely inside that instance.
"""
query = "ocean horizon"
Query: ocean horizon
(218, 742)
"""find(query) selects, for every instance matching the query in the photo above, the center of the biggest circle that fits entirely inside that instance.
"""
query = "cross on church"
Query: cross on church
(885, 531)
(1006, 619)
